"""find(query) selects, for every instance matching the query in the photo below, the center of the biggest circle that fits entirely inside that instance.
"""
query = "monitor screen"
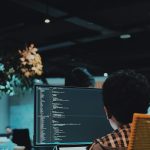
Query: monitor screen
(67, 115)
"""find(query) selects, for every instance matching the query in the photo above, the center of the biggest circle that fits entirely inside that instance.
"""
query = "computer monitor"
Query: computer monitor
(67, 115)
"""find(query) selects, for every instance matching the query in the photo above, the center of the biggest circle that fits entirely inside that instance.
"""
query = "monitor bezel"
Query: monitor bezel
(56, 143)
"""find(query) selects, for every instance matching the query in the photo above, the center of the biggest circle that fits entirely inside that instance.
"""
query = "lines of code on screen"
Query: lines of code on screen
(69, 115)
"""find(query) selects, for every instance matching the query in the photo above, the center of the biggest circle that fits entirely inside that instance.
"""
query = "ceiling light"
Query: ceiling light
(105, 74)
(47, 13)
(47, 20)
(125, 36)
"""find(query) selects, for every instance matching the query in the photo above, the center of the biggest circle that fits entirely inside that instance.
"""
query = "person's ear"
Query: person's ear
(108, 113)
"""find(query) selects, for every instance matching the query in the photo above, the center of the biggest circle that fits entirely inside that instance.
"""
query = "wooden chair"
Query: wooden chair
(140, 132)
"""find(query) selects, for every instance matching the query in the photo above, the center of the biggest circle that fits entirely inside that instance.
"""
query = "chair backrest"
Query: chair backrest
(140, 132)
(21, 137)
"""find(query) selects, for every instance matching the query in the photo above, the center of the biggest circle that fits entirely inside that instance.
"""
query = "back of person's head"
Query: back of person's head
(125, 93)
(80, 77)
(8, 129)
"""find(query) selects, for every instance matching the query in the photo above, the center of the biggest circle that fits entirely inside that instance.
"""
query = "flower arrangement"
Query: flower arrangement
(20, 71)
(30, 62)
(8, 80)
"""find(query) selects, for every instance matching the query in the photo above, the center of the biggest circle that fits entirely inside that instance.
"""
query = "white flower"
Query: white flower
(8, 92)
(2, 67)
(30, 57)
(2, 87)
(31, 63)
(27, 74)
(7, 84)
(33, 50)
(12, 93)
(22, 59)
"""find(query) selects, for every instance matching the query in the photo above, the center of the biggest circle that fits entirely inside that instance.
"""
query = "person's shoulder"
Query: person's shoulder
(98, 146)
(117, 140)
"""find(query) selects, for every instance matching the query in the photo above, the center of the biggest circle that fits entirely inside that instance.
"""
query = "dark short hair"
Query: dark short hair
(125, 93)
(79, 77)
(8, 127)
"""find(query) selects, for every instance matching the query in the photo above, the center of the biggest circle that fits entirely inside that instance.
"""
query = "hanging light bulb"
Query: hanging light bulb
(105, 74)
(47, 20)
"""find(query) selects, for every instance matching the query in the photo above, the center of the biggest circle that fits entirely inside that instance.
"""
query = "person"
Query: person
(124, 93)
(80, 77)
(9, 131)
(8, 144)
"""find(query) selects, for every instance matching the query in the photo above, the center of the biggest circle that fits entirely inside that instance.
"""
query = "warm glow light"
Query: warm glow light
(47, 21)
